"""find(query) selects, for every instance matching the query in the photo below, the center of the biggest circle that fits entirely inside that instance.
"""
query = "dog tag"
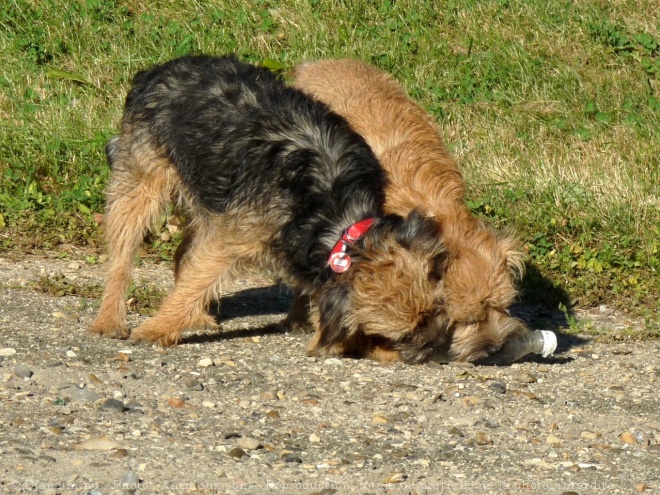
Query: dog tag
(340, 262)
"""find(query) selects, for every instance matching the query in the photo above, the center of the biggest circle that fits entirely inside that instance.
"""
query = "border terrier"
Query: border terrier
(477, 282)
(267, 178)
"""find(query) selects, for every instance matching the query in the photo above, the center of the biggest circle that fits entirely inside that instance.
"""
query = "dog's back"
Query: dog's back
(204, 112)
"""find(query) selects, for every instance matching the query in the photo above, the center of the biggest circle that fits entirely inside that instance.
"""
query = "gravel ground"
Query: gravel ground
(245, 411)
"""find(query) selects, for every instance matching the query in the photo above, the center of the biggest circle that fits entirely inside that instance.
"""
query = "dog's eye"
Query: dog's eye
(493, 350)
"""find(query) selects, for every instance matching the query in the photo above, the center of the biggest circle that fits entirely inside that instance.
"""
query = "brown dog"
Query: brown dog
(478, 282)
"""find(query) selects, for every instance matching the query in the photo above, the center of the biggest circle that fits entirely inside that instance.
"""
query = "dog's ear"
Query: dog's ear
(333, 308)
(515, 258)
(416, 232)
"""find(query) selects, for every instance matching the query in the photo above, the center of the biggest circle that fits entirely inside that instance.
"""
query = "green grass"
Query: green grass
(551, 107)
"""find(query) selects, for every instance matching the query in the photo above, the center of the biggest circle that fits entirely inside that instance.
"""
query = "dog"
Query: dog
(478, 280)
(268, 178)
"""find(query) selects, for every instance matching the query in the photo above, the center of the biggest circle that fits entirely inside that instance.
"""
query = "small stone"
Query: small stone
(483, 438)
(208, 404)
(119, 454)
(130, 481)
(273, 414)
(470, 401)
(333, 362)
(314, 438)
(641, 487)
(395, 478)
(84, 394)
(589, 435)
(22, 371)
(248, 443)
(379, 419)
(290, 457)
(553, 440)
(498, 387)
(627, 437)
(268, 395)
(194, 384)
(7, 351)
(569, 493)
(113, 405)
(100, 443)
(524, 377)
(71, 354)
(205, 363)
(236, 453)
(456, 432)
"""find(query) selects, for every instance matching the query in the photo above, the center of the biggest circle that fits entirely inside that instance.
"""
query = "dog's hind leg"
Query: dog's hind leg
(210, 257)
(139, 190)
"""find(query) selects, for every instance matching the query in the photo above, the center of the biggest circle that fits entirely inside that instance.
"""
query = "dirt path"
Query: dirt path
(245, 411)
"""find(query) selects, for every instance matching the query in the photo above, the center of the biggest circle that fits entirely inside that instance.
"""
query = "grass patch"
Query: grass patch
(552, 109)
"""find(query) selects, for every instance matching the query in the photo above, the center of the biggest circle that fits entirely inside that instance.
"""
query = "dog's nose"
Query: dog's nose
(492, 350)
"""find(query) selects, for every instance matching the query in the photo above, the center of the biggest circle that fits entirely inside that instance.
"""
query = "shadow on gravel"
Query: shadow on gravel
(539, 308)
(242, 333)
(260, 301)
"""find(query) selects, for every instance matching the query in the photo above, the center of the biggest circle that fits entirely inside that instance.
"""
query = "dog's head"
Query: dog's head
(391, 292)
(479, 282)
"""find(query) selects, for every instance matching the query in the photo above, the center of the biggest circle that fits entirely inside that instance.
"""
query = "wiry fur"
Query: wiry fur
(477, 283)
(269, 178)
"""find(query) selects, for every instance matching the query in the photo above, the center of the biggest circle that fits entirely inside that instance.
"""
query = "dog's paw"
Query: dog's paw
(109, 330)
(296, 326)
(152, 332)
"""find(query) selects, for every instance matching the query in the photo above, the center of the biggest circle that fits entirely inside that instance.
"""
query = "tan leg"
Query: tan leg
(208, 260)
(138, 193)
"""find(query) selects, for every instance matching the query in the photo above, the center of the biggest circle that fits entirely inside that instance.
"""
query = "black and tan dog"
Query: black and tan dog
(267, 178)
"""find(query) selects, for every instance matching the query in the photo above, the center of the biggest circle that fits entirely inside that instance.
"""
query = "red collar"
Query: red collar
(338, 260)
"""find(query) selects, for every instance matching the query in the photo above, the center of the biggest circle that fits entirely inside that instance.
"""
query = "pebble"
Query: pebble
(314, 438)
(84, 394)
(589, 435)
(7, 351)
(205, 363)
(498, 387)
(553, 440)
(333, 362)
(71, 354)
(524, 377)
(268, 395)
(100, 443)
(483, 438)
(627, 437)
(236, 453)
(130, 481)
(113, 405)
(248, 443)
(194, 384)
(456, 432)
(22, 371)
